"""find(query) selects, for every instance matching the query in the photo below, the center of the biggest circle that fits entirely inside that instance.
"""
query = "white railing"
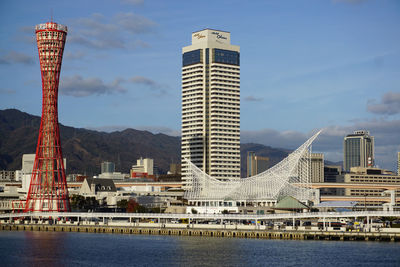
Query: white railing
(97, 215)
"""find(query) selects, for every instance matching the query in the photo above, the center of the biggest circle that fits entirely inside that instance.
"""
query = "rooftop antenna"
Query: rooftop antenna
(51, 15)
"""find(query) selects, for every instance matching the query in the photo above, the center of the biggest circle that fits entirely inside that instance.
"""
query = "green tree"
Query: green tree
(80, 203)
(123, 204)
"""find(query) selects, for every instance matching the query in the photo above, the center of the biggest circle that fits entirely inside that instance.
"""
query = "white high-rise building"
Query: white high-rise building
(211, 105)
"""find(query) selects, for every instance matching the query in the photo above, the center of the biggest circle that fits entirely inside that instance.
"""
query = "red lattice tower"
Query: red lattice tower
(48, 188)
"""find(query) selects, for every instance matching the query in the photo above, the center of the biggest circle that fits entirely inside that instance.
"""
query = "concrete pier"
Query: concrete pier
(261, 234)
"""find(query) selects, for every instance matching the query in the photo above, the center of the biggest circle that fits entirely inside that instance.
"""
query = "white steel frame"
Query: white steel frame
(272, 184)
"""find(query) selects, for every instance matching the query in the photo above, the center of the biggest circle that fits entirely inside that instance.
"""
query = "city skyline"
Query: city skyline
(305, 66)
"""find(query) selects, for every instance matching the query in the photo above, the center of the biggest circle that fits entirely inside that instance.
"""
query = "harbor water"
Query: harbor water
(86, 249)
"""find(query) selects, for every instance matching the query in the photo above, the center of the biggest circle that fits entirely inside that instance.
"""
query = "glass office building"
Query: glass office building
(358, 150)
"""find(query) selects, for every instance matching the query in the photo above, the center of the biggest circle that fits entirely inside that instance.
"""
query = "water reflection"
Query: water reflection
(208, 251)
(43, 248)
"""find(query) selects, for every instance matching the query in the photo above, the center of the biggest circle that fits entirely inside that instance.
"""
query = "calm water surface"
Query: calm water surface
(83, 249)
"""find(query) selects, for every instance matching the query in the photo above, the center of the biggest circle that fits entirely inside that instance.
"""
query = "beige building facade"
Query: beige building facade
(361, 175)
(211, 105)
(317, 167)
(256, 164)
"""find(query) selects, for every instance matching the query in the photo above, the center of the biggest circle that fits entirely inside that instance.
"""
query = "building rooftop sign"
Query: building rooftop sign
(211, 36)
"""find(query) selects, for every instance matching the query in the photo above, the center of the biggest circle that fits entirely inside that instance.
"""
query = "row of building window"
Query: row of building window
(197, 96)
(224, 117)
(223, 67)
(192, 86)
(192, 57)
(193, 92)
(226, 56)
(222, 171)
(226, 130)
(223, 128)
(225, 98)
(192, 115)
(191, 108)
(220, 105)
(214, 82)
(192, 81)
(224, 91)
(224, 107)
(216, 112)
(197, 100)
(195, 75)
(215, 72)
(224, 77)
(198, 70)
(219, 56)
(188, 120)
(223, 85)
(198, 103)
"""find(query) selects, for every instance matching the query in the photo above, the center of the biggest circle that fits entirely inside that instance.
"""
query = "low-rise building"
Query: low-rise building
(103, 190)
(333, 174)
(7, 175)
(144, 168)
(362, 175)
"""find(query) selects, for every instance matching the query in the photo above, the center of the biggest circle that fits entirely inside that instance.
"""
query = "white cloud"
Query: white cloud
(253, 99)
(133, 2)
(121, 31)
(7, 91)
(16, 57)
(389, 105)
(135, 23)
(153, 85)
(80, 87)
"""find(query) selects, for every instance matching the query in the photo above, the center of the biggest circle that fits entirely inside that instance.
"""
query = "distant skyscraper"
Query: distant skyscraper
(256, 164)
(211, 105)
(312, 167)
(358, 150)
(398, 163)
(107, 167)
(317, 167)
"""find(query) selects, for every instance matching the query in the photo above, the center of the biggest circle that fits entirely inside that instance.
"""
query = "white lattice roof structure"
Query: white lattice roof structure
(290, 177)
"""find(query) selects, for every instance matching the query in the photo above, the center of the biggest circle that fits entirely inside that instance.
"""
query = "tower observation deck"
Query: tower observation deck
(48, 187)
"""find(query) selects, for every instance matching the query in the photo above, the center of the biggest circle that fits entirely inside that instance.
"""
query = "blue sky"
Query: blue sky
(305, 65)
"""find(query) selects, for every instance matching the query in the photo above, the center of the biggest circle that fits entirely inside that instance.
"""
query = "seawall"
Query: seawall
(260, 234)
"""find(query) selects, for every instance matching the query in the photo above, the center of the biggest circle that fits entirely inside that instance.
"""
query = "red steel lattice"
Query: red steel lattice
(48, 188)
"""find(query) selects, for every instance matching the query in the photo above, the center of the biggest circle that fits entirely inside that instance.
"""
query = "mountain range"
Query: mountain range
(86, 149)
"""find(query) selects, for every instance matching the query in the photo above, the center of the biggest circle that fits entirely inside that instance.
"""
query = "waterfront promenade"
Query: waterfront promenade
(271, 226)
